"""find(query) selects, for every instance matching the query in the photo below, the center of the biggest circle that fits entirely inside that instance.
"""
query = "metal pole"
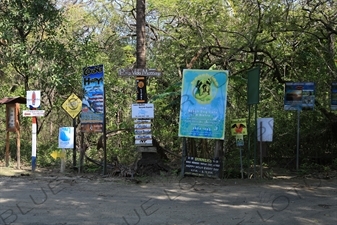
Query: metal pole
(249, 133)
(255, 140)
(241, 162)
(261, 166)
(74, 148)
(104, 135)
(298, 140)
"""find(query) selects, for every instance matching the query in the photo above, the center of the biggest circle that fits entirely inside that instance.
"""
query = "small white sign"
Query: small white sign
(142, 121)
(33, 113)
(143, 137)
(143, 126)
(143, 111)
(33, 99)
(266, 129)
(143, 142)
(66, 137)
(142, 131)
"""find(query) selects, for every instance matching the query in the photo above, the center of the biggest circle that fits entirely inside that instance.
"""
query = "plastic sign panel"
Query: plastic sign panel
(265, 129)
(92, 114)
(66, 137)
(334, 96)
(299, 96)
(203, 104)
(143, 111)
(33, 99)
(239, 140)
(239, 126)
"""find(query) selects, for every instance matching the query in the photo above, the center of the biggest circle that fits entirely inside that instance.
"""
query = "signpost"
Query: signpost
(33, 102)
(299, 96)
(73, 106)
(142, 112)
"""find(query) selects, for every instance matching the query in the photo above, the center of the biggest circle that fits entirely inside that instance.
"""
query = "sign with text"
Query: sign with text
(239, 126)
(203, 104)
(139, 72)
(143, 111)
(33, 113)
(299, 96)
(202, 167)
(92, 114)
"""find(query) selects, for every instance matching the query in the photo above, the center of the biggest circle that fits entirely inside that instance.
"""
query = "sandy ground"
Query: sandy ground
(46, 198)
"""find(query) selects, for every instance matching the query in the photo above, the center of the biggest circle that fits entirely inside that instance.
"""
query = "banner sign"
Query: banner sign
(92, 114)
(66, 137)
(334, 96)
(265, 132)
(299, 96)
(202, 167)
(203, 104)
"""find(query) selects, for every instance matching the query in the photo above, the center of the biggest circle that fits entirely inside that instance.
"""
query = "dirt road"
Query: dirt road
(41, 199)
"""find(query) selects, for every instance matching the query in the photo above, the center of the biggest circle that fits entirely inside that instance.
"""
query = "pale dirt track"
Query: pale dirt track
(85, 199)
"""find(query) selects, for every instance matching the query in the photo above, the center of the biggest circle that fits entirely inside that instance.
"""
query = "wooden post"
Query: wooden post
(7, 149)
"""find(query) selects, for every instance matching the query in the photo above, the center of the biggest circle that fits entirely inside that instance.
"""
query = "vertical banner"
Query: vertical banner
(253, 86)
(299, 96)
(92, 114)
(334, 96)
(203, 104)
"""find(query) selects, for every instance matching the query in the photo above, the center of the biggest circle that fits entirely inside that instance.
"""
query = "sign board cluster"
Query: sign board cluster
(143, 113)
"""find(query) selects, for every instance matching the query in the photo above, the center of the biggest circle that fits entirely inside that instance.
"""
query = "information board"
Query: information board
(202, 167)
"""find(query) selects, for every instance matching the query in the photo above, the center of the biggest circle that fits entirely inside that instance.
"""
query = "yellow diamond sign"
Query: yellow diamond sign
(73, 105)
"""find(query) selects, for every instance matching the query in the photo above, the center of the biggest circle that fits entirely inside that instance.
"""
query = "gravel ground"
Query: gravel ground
(45, 198)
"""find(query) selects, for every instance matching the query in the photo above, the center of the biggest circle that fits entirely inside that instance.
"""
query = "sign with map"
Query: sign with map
(203, 104)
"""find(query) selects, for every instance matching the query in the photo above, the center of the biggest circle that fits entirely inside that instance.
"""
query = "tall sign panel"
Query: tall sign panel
(203, 104)
(92, 114)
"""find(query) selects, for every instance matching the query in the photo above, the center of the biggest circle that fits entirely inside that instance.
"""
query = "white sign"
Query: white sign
(32, 113)
(143, 126)
(143, 111)
(143, 142)
(266, 129)
(66, 137)
(33, 99)
(142, 131)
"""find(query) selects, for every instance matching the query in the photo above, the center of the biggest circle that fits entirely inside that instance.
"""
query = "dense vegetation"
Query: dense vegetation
(44, 44)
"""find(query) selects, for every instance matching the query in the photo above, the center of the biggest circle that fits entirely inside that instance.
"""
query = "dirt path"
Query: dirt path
(85, 199)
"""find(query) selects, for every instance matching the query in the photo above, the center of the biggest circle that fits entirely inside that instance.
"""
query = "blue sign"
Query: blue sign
(66, 137)
(299, 96)
(203, 104)
(92, 114)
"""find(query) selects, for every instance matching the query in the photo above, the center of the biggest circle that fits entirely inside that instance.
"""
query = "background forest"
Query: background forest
(44, 44)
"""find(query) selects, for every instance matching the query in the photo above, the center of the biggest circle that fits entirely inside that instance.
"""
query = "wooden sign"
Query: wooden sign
(12, 117)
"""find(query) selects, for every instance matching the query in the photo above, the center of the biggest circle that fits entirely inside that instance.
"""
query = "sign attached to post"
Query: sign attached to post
(265, 132)
(66, 137)
(33, 113)
(33, 99)
(143, 111)
(139, 72)
(73, 105)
